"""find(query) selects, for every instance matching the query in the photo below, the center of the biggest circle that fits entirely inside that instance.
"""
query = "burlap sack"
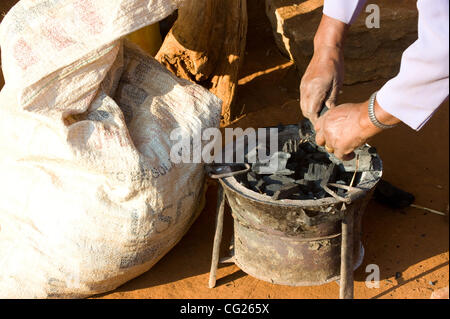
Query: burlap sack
(89, 196)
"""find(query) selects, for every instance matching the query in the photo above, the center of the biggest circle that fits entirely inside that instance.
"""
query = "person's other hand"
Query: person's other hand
(323, 77)
(321, 82)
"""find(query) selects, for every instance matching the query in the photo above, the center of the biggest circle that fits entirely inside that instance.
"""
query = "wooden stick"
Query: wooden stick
(346, 282)
(428, 209)
(356, 169)
(217, 236)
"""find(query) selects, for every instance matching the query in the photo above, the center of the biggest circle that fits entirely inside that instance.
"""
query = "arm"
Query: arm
(323, 77)
(412, 96)
(422, 83)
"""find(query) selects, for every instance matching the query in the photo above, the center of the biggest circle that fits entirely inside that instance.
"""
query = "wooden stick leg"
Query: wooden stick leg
(346, 284)
(217, 236)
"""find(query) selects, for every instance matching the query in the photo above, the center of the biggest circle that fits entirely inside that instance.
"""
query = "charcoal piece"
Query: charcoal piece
(275, 165)
(330, 172)
(341, 192)
(278, 179)
(290, 146)
(271, 189)
(252, 185)
(364, 163)
(244, 182)
(341, 168)
(299, 153)
(320, 194)
(287, 146)
(316, 171)
(293, 166)
(286, 172)
(306, 130)
(281, 127)
(314, 186)
(308, 147)
(285, 191)
(320, 157)
(389, 195)
(251, 177)
(308, 196)
(260, 186)
(346, 178)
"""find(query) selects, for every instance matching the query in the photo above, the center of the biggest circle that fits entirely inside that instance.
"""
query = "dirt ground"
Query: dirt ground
(410, 246)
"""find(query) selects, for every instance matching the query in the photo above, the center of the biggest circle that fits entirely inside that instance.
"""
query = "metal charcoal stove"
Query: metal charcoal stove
(285, 235)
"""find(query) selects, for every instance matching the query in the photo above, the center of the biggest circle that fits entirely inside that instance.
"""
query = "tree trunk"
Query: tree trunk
(206, 45)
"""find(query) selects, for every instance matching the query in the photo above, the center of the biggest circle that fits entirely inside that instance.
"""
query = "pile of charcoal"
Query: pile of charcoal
(301, 171)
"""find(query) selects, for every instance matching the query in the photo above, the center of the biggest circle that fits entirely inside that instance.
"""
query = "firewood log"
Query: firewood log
(206, 45)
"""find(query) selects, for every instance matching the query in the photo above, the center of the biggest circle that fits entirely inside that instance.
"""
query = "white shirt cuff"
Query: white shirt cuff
(343, 10)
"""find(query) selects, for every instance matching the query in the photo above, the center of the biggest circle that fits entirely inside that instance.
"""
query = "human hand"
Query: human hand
(321, 82)
(348, 126)
(323, 77)
(345, 128)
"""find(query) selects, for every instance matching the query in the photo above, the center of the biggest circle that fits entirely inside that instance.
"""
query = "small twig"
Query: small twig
(356, 169)
(217, 236)
(428, 210)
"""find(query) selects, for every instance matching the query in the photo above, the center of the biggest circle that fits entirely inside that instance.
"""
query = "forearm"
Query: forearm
(337, 16)
(422, 83)
(331, 33)
(368, 129)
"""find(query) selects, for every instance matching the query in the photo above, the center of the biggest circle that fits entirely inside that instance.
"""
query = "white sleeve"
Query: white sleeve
(422, 84)
(343, 10)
